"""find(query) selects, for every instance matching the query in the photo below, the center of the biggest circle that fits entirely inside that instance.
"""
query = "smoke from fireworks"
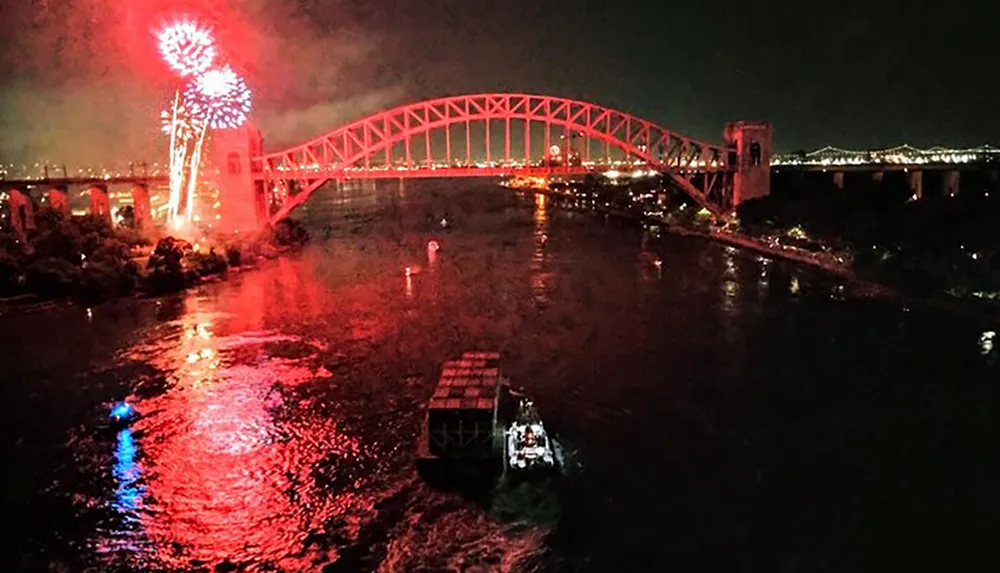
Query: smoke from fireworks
(188, 48)
(219, 98)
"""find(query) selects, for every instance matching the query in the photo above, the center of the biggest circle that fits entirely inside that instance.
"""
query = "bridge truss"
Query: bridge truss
(494, 135)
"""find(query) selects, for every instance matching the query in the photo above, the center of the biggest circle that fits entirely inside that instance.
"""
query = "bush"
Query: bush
(166, 268)
(129, 276)
(98, 281)
(110, 249)
(289, 233)
(52, 277)
(234, 257)
(67, 255)
(56, 236)
(10, 274)
(208, 264)
(131, 237)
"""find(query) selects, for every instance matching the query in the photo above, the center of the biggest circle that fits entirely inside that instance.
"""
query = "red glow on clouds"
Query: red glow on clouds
(143, 20)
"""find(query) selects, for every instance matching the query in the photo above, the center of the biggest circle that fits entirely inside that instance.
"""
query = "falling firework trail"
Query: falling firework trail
(195, 169)
(176, 164)
(182, 130)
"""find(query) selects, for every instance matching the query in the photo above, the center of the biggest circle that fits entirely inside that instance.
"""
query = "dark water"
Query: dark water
(728, 413)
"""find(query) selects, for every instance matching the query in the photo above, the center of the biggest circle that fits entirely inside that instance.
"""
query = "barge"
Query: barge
(477, 425)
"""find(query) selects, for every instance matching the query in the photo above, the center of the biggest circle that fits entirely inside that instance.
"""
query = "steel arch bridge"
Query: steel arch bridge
(436, 138)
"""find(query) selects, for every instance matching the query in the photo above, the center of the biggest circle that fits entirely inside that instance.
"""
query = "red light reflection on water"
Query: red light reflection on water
(222, 472)
(542, 277)
(227, 460)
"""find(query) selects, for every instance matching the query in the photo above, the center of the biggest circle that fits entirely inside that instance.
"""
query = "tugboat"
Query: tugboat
(477, 424)
(530, 452)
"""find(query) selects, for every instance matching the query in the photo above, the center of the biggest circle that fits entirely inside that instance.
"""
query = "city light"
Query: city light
(901, 155)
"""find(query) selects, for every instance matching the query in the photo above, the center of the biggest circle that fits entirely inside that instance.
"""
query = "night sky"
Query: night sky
(83, 86)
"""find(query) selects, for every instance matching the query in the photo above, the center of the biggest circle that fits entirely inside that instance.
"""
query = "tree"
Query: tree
(56, 236)
(289, 233)
(52, 277)
(166, 270)
(208, 264)
(126, 217)
(10, 273)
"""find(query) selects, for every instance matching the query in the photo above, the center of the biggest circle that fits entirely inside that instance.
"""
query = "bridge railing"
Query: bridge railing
(53, 172)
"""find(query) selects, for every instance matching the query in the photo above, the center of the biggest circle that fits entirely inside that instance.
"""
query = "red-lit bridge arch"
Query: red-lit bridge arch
(494, 135)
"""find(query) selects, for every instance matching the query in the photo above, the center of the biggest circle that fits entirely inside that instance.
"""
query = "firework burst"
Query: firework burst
(215, 98)
(187, 47)
(219, 98)
(181, 124)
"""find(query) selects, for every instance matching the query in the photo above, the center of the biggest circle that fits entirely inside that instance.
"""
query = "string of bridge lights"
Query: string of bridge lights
(903, 154)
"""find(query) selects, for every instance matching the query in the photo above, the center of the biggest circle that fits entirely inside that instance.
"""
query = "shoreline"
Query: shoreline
(861, 288)
(30, 303)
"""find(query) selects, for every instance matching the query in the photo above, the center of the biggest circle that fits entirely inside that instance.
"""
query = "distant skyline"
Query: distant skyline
(80, 84)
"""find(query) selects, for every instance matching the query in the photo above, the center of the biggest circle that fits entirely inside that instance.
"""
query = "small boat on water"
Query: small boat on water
(475, 420)
(530, 451)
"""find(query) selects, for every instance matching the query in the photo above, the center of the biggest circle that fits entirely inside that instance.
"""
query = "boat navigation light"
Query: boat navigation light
(121, 411)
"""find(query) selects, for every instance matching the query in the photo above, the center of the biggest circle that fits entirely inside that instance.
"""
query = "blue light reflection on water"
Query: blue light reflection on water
(129, 494)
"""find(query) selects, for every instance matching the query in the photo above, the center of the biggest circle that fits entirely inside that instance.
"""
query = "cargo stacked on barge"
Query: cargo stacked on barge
(463, 422)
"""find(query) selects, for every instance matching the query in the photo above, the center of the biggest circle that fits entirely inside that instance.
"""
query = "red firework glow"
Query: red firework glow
(187, 47)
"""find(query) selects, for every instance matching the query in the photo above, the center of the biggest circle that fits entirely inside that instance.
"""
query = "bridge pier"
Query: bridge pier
(244, 204)
(141, 206)
(58, 199)
(838, 179)
(22, 212)
(750, 142)
(917, 183)
(950, 183)
(100, 203)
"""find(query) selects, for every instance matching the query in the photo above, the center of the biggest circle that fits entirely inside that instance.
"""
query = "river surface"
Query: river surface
(723, 412)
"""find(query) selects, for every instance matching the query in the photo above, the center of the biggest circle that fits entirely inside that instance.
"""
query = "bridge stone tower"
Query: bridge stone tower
(100, 202)
(750, 142)
(58, 199)
(22, 212)
(243, 205)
